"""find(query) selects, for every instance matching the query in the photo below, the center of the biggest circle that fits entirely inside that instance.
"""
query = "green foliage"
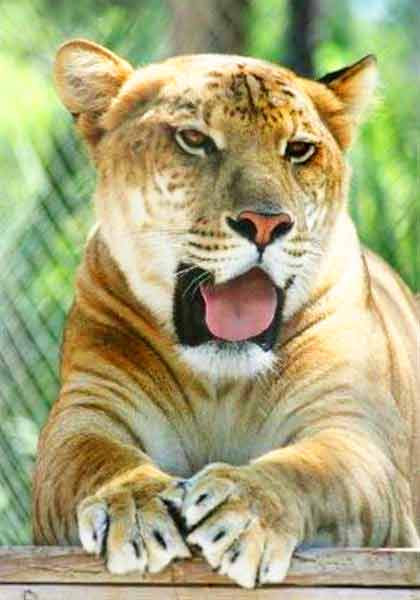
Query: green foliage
(385, 197)
(47, 180)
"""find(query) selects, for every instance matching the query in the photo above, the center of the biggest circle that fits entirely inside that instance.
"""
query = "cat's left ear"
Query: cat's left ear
(354, 85)
(353, 89)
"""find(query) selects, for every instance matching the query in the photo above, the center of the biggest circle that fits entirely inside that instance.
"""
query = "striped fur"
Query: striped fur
(315, 442)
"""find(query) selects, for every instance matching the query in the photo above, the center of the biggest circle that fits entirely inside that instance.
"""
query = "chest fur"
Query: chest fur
(230, 428)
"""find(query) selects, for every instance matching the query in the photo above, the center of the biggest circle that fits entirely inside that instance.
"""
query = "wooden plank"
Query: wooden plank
(333, 567)
(72, 592)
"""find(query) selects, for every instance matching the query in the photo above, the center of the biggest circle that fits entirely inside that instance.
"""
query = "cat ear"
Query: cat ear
(354, 85)
(351, 91)
(87, 78)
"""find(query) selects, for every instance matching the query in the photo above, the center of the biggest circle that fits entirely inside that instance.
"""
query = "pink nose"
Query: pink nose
(267, 227)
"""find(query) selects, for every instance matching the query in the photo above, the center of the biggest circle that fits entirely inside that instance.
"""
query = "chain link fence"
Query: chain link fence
(46, 211)
(42, 244)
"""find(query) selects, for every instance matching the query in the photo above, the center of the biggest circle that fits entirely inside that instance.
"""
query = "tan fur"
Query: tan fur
(315, 442)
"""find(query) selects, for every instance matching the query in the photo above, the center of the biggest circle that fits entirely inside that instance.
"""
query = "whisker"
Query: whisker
(160, 233)
(185, 271)
(156, 236)
(299, 240)
(314, 252)
(211, 258)
(204, 280)
(197, 280)
(156, 242)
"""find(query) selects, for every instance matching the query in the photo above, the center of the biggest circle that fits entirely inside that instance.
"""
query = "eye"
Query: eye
(195, 142)
(299, 151)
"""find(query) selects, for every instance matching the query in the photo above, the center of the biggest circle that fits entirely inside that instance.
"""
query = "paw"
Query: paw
(133, 531)
(241, 529)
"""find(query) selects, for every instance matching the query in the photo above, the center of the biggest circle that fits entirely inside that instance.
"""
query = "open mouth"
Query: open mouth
(245, 309)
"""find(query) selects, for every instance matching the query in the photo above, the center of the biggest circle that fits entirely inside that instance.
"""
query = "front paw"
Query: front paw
(128, 524)
(242, 528)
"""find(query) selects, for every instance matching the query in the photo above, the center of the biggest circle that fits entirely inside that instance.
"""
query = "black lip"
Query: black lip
(189, 313)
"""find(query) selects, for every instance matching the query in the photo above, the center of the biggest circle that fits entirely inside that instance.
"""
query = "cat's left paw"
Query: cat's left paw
(242, 529)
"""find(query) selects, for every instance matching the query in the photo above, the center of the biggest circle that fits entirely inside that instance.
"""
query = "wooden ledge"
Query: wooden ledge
(50, 573)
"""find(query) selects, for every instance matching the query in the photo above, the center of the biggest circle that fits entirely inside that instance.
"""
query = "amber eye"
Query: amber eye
(299, 151)
(195, 142)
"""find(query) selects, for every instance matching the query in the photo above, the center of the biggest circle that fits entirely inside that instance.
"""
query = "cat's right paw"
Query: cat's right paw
(131, 527)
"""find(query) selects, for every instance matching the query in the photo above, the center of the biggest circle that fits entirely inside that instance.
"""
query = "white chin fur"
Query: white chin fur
(227, 361)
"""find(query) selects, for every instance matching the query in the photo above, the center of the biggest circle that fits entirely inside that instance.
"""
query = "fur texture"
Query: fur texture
(316, 441)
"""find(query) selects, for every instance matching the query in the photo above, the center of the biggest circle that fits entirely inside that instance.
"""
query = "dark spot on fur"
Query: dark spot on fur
(221, 534)
(105, 537)
(202, 497)
(159, 538)
(174, 186)
(288, 93)
(136, 547)
(207, 114)
(289, 282)
(235, 556)
(234, 186)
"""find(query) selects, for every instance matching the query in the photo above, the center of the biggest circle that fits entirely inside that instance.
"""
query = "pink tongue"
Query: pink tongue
(242, 308)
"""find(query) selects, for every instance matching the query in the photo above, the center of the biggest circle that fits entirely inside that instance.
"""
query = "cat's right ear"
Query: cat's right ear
(87, 78)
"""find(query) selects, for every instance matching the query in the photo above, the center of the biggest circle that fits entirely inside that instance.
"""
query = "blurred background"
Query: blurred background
(46, 179)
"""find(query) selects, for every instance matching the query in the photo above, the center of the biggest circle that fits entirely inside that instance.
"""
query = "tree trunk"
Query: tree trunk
(203, 26)
(302, 35)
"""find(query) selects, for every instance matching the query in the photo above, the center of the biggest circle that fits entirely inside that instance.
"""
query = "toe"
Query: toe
(174, 494)
(130, 556)
(204, 497)
(93, 523)
(161, 537)
(218, 533)
(276, 558)
(242, 559)
(125, 550)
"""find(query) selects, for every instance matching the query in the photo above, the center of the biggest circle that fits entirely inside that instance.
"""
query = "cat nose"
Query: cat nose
(261, 228)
